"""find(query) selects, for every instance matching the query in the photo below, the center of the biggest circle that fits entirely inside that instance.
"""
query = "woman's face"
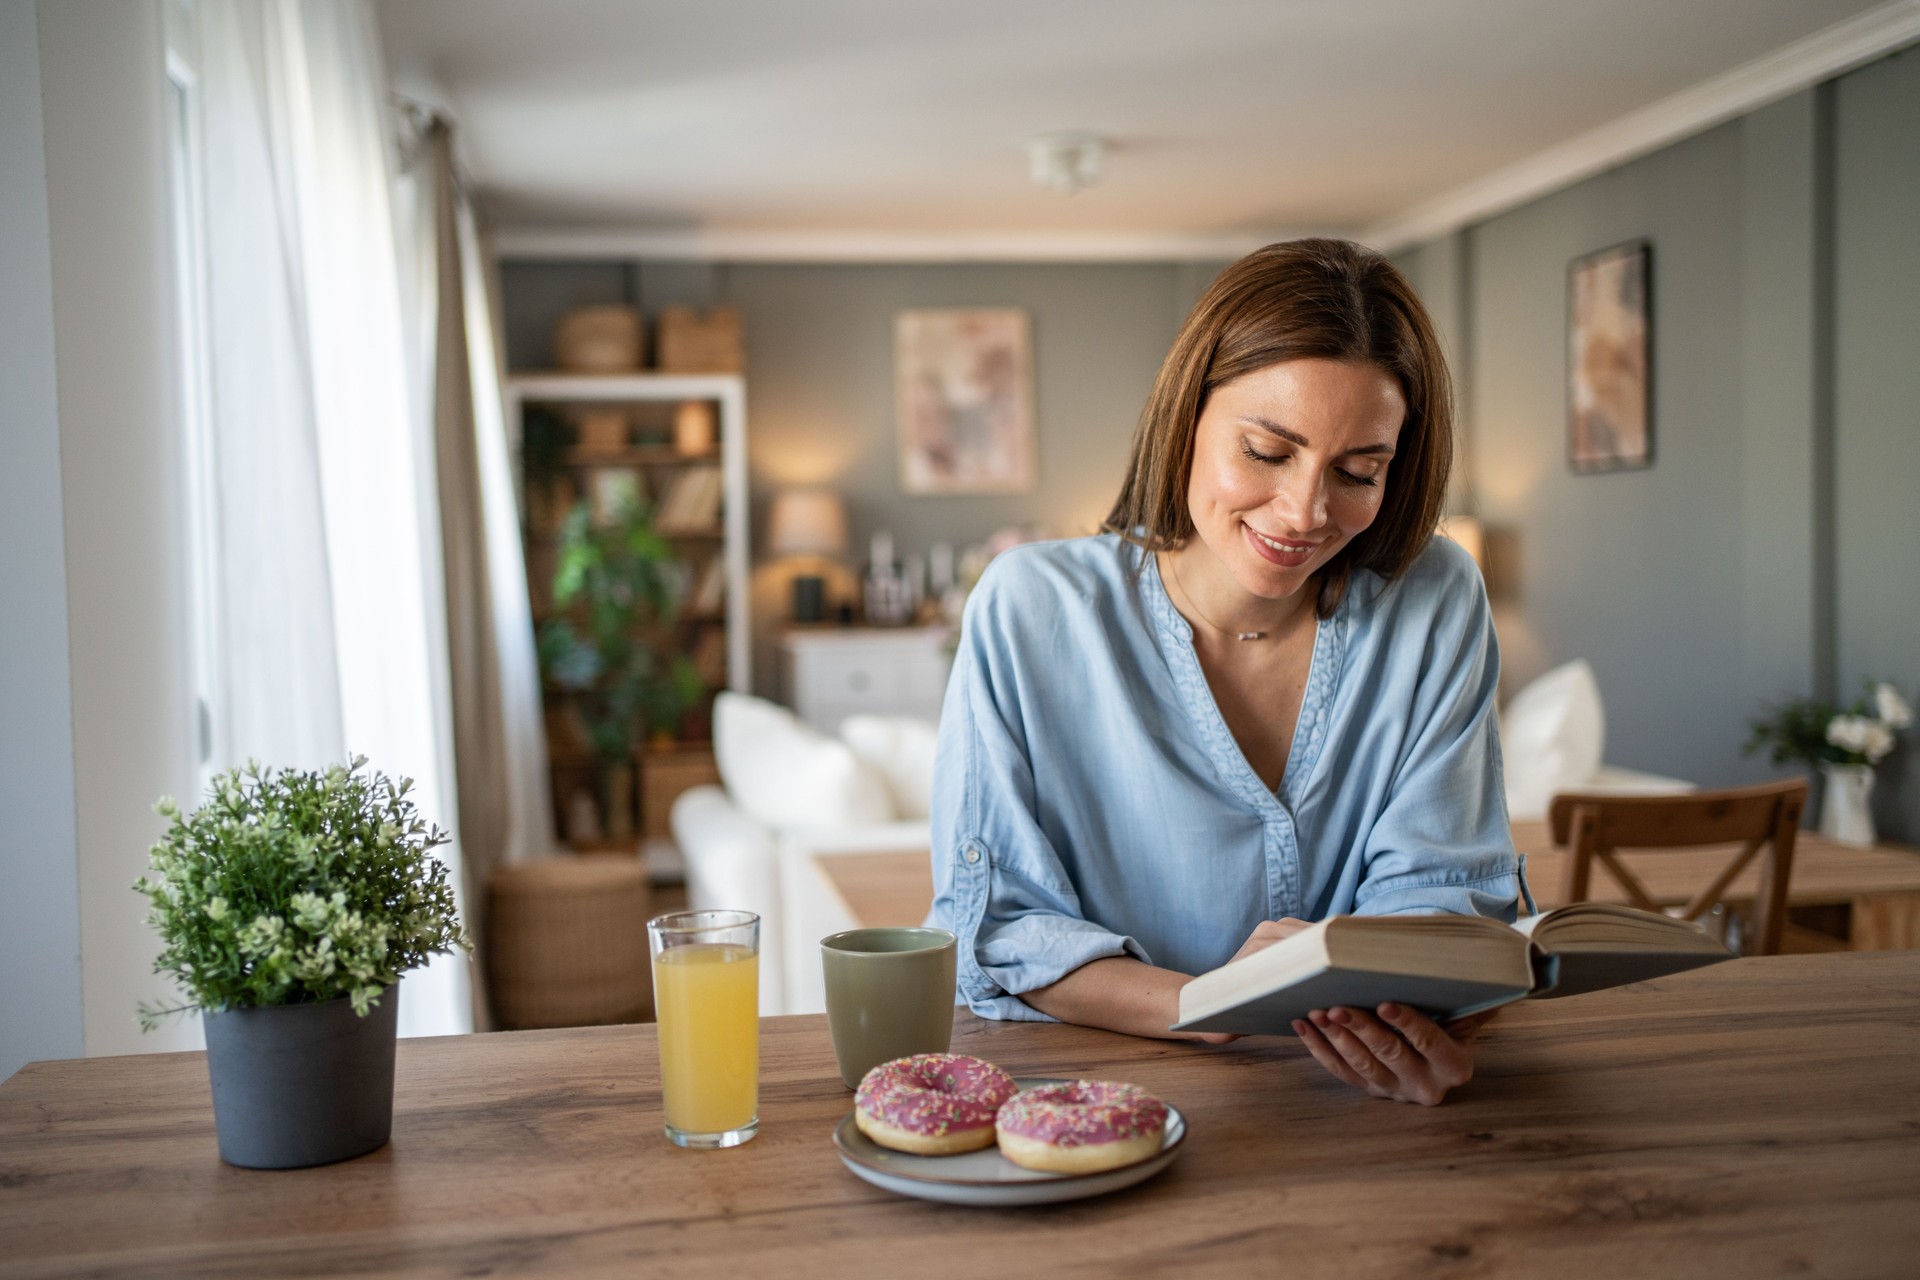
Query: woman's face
(1289, 464)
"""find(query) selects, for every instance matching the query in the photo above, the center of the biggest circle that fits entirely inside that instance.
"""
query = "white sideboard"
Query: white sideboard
(830, 673)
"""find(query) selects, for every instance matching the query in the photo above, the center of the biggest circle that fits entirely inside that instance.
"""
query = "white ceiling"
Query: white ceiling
(851, 120)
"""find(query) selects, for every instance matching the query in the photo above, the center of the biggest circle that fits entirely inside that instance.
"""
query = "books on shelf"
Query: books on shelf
(692, 502)
(1446, 966)
(709, 598)
(616, 489)
(710, 656)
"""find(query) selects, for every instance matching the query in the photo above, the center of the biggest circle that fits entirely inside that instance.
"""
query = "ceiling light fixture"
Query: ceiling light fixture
(1065, 162)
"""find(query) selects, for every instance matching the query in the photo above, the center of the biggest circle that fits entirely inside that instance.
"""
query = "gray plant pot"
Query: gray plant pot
(302, 1084)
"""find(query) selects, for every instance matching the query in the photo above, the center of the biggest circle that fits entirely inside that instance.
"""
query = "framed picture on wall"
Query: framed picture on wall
(963, 400)
(1610, 359)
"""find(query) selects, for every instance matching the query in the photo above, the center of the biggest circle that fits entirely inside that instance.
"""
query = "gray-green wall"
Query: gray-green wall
(1770, 550)
(1876, 374)
(820, 381)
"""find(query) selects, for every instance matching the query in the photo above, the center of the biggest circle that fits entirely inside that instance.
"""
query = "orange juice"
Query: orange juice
(708, 1000)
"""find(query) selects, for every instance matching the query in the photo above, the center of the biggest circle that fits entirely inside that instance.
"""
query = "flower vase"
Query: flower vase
(1846, 810)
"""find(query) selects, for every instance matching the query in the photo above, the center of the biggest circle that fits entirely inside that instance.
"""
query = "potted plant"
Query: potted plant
(288, 905)
(619, 584)
(1844, 743)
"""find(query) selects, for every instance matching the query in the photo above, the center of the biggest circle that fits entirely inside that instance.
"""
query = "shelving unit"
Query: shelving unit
(657, 464)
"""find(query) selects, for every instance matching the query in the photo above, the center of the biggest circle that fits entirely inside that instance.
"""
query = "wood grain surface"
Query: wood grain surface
(1757, 1118)
(881, 889)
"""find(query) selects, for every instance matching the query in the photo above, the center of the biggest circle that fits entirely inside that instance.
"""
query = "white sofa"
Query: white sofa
(1553, 734)
(789, 794)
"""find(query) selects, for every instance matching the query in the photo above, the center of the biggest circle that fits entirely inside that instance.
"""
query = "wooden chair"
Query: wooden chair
(1757, 818)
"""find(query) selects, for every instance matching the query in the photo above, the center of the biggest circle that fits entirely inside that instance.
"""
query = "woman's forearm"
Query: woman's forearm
(1118, 993)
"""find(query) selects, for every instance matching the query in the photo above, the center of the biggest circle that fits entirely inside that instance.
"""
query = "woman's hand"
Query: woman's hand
(1400, 1054)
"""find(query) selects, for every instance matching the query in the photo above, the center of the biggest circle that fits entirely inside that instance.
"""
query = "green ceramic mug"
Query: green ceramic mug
(889, 995)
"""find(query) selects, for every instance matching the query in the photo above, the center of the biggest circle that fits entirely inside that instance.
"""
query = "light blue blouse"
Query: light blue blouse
(1090, 801)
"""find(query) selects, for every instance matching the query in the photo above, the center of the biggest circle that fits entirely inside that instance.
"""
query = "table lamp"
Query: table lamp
(1470, 534)
(807, 522)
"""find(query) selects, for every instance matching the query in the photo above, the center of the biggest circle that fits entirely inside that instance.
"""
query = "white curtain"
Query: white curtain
(328, 593)
(499, 755)
(529, 802)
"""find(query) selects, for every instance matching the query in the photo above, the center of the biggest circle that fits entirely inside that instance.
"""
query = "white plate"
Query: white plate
(987, 1177)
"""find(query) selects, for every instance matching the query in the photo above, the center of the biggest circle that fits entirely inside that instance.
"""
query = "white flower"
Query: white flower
(1893, 708)
(1861, 734)
(216, 908)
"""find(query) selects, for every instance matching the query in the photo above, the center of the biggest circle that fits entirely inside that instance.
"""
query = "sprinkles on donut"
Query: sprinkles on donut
(932, 1104)
(1081, 1126)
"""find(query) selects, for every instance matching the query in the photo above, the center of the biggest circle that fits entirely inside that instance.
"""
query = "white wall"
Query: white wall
(40, 904)
(102, 77)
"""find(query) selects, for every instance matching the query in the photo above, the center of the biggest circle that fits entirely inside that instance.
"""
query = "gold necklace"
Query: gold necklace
(1237, 635)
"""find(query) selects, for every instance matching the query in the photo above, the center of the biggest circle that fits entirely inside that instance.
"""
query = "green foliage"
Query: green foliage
(621, 583)
(1809, 731)
(293, 888)
(1794, 732)
(544, 437)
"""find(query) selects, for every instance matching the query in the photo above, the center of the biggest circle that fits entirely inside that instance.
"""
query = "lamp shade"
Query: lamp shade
(807, 522)
(1471, 536)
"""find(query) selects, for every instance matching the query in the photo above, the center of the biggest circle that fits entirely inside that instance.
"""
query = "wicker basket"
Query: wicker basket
(604, 339)
(690, 341)
(567, 943)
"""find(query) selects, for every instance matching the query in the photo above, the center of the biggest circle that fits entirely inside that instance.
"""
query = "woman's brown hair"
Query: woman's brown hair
(1303, 299)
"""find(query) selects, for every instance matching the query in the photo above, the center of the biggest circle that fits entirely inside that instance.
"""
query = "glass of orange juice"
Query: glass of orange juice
(706, 994)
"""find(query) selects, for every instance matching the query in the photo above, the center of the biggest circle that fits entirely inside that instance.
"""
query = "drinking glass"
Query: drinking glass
(706, 992)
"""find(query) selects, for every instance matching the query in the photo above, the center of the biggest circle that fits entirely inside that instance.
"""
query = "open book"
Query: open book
(1445, 966)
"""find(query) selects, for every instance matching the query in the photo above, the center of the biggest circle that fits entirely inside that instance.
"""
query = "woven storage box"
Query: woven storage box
(691, 341)
(604, 339)
(567, 943)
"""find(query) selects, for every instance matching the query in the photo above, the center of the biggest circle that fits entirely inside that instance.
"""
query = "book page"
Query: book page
(1526, 925)
(1607, 926)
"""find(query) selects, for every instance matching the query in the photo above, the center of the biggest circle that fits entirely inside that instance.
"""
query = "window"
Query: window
(185, 156)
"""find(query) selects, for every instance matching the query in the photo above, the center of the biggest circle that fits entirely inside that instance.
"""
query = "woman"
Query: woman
(1265, 695)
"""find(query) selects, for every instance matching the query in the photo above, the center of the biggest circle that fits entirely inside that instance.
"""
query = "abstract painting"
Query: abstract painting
(1609, 359)
(963, 400)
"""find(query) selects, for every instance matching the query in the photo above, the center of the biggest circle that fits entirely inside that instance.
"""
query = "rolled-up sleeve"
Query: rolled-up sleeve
(999, 884)
(1441, 843)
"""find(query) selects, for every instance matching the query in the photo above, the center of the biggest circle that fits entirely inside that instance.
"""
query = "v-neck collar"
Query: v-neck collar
(1309, 729)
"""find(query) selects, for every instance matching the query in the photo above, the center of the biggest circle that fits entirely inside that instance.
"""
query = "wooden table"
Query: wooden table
(1881, 885)
(1755, 1118)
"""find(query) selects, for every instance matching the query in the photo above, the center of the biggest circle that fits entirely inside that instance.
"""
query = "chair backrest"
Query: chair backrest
(1762, 820)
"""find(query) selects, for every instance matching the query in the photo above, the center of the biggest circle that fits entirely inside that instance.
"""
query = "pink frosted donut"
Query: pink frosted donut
(932, 1104)
(1081, 1126)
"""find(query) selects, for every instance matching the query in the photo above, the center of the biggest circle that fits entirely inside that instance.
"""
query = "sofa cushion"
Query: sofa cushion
(785, 773)
(899, 749)
(1552, 738)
